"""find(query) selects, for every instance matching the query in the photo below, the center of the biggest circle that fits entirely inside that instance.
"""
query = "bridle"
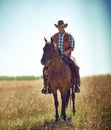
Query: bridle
(52, 58)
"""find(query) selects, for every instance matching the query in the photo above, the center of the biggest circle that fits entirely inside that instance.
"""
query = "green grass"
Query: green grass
(19, 77)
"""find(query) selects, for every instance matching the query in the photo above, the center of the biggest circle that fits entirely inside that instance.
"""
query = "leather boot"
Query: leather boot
(76, 88)
(47, 88)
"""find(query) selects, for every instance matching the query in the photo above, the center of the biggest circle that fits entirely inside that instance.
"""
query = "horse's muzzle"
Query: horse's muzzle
(42, 62)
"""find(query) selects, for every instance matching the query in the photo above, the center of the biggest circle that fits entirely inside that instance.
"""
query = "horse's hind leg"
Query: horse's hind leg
(56, 105)
(67, 97)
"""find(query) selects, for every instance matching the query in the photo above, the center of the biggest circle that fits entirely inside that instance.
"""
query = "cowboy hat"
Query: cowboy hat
(61, 23)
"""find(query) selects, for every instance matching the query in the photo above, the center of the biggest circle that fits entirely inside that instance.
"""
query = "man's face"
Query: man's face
(61, 29)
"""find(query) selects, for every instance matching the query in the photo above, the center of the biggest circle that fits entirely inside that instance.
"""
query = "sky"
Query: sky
(25, 23)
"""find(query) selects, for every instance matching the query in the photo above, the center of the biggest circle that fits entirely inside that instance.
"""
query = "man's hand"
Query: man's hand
(68, 52)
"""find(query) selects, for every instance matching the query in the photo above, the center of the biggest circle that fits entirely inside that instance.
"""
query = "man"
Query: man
(66, 44)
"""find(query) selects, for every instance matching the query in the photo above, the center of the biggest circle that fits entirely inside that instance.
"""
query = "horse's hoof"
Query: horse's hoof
(56, 121)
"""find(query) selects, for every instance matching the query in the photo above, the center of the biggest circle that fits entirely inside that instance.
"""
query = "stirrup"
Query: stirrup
(46, 90)
(76, 88)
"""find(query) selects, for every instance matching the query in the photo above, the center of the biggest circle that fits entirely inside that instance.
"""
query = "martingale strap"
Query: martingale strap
(48, 62)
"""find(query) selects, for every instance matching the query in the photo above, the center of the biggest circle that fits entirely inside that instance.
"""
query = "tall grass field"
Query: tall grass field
(24, 107)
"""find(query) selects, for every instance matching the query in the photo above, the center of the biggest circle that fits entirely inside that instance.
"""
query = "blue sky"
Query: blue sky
(24, 23)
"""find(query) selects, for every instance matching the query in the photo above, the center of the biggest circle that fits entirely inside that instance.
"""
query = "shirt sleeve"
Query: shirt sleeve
(71, 41)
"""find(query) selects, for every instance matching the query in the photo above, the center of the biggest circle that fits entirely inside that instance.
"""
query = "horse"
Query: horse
(59, 78)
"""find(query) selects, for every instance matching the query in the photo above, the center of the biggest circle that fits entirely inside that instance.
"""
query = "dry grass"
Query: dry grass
(23, 107)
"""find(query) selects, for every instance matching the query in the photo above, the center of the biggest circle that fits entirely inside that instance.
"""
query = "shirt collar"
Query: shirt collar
(62, 34)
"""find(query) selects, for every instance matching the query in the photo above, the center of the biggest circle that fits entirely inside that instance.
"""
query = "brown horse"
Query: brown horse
(59, 77)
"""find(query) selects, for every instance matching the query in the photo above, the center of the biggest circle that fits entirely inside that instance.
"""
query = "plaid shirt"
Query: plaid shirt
(61, 39)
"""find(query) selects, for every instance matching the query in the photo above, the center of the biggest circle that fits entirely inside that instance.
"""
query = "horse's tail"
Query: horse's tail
(67, 97)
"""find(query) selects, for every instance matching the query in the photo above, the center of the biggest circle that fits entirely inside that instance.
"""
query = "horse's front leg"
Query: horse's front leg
(63, 109)
(56, 105)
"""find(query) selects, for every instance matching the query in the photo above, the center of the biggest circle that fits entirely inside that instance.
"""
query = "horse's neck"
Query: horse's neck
(56, 58)
(57, 65)
(56, 53)
(57, 62)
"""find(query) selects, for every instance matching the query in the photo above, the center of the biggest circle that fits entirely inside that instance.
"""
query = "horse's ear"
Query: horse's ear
(45, 40)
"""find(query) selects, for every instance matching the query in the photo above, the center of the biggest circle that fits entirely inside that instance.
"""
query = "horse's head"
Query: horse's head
(48, 52)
